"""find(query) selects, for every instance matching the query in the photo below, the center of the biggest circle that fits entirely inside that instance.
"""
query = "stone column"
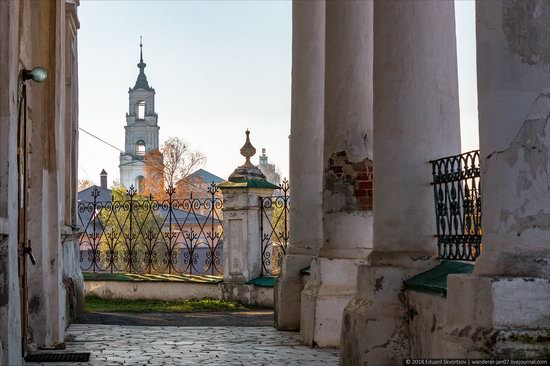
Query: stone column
(10, 306)
(514, 109)
(306, 162)
(510, 283)
(347, 177)
(242, 244)
(416, 119)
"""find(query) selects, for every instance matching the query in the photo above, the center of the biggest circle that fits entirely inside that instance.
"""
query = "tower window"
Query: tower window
(140, 148)
(141, 110)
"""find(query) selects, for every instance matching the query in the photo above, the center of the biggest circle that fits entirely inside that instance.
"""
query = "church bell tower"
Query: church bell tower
(142, 130)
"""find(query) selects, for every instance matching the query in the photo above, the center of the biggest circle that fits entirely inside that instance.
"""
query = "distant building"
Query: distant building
(198, 183)
(206, 176)
(142, 130)
(270, 170)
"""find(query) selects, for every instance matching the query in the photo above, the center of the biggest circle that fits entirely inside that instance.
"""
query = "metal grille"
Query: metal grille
(137, 234)
(274, 229)
(457, 193)
(58, 357)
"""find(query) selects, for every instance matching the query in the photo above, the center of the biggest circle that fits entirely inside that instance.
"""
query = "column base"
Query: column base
(496, 317)
(239, 292)
(331, 286)
(375, 329)
(287, 292)
(247, 294)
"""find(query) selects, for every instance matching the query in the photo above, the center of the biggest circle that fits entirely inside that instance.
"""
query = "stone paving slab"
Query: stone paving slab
(144, 345)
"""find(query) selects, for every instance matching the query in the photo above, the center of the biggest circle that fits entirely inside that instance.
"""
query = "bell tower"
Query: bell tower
(141, 130)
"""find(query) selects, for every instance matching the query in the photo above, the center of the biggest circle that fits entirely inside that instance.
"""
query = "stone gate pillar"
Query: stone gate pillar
(347, 177)
(306, 159)
(242, 244)
(416, 119)
(513, 270)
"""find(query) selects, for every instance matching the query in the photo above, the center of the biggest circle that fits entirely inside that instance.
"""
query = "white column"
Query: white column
(416, 119)
(513, 71)
(514, 107)
(347, 178)
(306, 157)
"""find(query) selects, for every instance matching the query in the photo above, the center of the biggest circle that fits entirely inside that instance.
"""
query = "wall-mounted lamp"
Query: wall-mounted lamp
(37, 74)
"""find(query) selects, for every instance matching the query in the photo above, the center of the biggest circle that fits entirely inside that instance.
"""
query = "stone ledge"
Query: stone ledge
(150, 290)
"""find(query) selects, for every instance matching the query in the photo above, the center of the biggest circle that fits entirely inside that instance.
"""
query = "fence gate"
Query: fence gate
(274, 229)
(457, 193)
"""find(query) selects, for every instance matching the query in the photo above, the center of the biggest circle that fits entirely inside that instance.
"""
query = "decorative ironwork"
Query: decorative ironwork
(274, 229)
(457, 193)
(136, 234)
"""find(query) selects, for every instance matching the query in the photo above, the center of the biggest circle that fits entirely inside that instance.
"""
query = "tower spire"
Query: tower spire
(141, 81)
(141, 64)
(140, 50)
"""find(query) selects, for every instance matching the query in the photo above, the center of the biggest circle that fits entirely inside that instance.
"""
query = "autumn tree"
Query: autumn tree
(153, 184)
(116, 184)
(84, 183)
(172, 166)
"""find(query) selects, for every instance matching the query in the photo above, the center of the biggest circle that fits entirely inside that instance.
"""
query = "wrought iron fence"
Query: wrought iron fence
(457, 193)
(274, 229)
(137, 234)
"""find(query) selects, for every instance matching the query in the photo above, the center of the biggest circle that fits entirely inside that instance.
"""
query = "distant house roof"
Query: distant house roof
(206, 176)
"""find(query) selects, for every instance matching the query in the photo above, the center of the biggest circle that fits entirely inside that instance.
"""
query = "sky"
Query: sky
(218, 68)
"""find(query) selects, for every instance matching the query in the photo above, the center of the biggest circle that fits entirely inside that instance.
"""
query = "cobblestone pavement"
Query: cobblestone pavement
(144, 345)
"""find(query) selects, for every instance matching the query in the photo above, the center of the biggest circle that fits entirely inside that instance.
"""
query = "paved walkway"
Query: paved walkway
(144, 345)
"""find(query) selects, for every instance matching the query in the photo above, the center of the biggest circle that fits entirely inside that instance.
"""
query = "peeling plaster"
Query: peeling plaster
(541, 221)
(525, 26)
(529, 155)
(348, 184)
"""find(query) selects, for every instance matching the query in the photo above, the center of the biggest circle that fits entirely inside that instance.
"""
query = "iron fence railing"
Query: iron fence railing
(137, 234)
(457, 193)
(274, 229)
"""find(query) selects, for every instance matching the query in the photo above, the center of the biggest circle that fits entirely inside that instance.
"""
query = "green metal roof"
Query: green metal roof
(435, 279)
(263, 282)
(249, 183)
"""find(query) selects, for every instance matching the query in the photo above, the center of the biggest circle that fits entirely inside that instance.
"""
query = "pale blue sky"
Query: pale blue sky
(218, 68)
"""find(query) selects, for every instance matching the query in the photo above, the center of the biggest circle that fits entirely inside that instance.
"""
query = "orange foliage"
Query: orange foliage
(153, 183)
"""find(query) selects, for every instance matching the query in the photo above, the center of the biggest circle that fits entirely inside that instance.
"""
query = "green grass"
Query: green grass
(96, 304)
